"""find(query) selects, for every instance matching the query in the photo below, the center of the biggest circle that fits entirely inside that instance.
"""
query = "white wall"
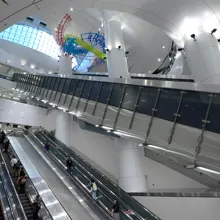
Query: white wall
(162, 177)
(97, 147)
(18, 113)
(6, 84)
(182, 208)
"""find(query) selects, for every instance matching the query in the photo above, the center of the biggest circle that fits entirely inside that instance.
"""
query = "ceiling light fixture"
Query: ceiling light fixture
(163, 47)
(32, 66)
(71, 9)
(159, 60)
(193, 36)
(213, 31)
(99, 29)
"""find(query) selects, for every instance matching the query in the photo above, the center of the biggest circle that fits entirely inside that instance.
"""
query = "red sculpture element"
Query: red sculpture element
(61, 29)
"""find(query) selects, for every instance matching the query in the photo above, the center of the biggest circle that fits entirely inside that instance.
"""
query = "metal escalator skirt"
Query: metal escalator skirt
(51, 202)
(5, 207)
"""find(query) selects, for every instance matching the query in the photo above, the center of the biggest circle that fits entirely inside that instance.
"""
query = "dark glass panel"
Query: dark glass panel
(106, 88)
(52, 83)
(130, 98)
(116, 95)
(86, 89)
(72, 86)
(95, 91)
(214, 115)
(48, 82)
(193, 109)
(147, 100)
(66, 86)
(167, 104)
(57, 82)
(79, 88)
(60, 88)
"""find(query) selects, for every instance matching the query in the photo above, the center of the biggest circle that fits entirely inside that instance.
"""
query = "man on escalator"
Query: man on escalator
(115, 210)
(36, 207)
(94, 189)
(21, 183)
(69, 164)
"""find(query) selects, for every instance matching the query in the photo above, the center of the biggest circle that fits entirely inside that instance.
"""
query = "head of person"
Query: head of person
(92, 180)
(68, 157)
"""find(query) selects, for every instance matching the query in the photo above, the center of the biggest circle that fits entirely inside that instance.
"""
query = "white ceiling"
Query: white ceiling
(14, 55)
(172, 16)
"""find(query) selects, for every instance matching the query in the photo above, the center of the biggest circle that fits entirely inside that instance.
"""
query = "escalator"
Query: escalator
(5, 212)
(27, 207)
(14, 203)
(82, 173)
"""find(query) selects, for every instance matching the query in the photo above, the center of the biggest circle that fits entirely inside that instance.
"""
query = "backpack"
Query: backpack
(94, 187)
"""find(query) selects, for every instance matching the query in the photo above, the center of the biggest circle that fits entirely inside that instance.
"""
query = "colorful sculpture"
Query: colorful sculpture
(81, 46)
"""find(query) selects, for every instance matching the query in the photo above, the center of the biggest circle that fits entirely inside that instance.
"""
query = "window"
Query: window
(33, 38)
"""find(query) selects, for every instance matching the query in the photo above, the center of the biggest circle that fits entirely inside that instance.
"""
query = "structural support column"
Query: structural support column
(203, 57)
(65, 65)
(131, 172)
(63, 126)
(116, 59)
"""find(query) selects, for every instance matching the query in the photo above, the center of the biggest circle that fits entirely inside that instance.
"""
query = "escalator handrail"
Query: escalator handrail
(15, 192)
(119, 199)
(42, 202)
(4, 211)
(57, 160)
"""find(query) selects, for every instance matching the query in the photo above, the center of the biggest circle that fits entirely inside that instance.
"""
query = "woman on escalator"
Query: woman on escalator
(21, 183)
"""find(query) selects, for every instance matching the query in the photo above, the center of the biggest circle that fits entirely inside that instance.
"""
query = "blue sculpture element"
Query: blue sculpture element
(97, 40)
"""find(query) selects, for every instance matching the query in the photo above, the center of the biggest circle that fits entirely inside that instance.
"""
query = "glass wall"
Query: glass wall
(191, 106)
(31, 37)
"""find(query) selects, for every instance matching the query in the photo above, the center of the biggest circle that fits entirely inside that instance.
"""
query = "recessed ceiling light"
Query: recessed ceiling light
(163, 47)
(159, 60)
(71, 9)
(32, 66)
(99, 29)
(149, 71)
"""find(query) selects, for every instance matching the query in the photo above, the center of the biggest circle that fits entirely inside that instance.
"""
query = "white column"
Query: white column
(116, 59)
(131, 172)
(63, 126)
(203, 57)
(65, 65)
